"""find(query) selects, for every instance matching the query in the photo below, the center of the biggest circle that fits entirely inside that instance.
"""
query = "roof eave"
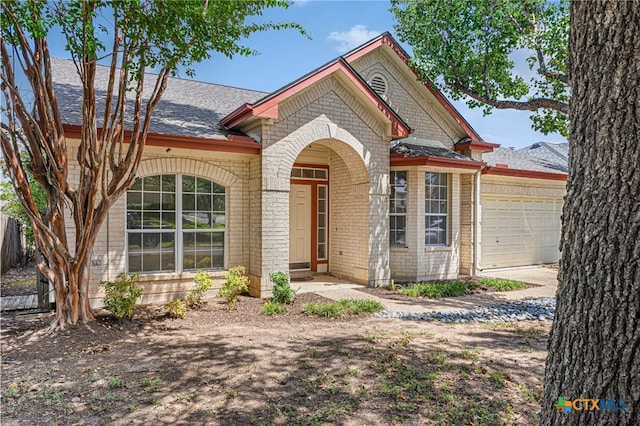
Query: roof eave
(530, 174)
(236, 144)
(398, 160)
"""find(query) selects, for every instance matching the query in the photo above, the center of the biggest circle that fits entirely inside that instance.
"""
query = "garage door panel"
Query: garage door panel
(517, 232)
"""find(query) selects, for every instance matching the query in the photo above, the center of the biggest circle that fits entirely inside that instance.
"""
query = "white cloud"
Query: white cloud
(347, 40)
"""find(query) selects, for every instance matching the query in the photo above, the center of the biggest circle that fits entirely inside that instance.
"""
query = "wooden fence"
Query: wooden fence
(11, 250)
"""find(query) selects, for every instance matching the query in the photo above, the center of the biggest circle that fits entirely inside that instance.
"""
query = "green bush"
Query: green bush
(203, 283)
(342, 307)
(282, 291)
(503, 285)
(176, 308)
(436, 290)
(236, 283)
(271, 307)
(121, 295)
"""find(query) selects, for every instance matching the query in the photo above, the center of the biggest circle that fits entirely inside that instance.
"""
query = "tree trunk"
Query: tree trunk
(594, 352)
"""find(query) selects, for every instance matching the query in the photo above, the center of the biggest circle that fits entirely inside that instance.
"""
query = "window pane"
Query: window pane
(218, 221)
(322, 192)
(151, 220)
(134, 242)
(134, 200)
(188, 184)
(168, 201)
(218, 203)
(218, 189)
(135, 262)
(203, 186)
(150, 239)
(203, 202)
(218, 239)
(151, 263)
(151, 200)
(134, 220)
(137, 185)
(321, 251)
(188, 202)
(151, 183)
(168, 183)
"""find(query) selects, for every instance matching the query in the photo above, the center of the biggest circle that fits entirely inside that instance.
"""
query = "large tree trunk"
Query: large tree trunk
(594, 352)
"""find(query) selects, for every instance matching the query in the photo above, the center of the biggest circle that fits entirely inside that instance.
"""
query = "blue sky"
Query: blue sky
(335, 28)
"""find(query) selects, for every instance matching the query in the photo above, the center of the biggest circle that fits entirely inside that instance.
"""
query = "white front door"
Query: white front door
(300, 227)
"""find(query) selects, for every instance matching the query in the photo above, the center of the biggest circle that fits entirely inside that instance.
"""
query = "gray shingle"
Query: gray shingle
(187, 108)
(415, 147)
(517, 160)
(556, 153)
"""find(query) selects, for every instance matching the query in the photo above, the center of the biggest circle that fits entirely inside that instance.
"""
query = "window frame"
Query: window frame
(440, 200)
(393, 215)
(179, 230)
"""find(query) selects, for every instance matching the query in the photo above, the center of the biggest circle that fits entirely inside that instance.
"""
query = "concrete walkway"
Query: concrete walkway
(545, 279)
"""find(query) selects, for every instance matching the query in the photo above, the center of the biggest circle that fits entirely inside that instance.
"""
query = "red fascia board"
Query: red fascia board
(531, 174)
(476, 145)
(234, 144)
(269, 107)
(399, 160)
(387, 39)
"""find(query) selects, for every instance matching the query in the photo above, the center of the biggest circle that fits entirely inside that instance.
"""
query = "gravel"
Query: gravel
(524, 310)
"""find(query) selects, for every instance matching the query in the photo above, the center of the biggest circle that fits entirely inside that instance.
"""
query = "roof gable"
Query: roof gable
(267, 107)
(387, 40)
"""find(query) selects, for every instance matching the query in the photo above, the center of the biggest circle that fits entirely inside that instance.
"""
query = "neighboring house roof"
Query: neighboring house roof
(187, 108)
(413, 151)
(556, 153)
(267, 107)
(509, 162)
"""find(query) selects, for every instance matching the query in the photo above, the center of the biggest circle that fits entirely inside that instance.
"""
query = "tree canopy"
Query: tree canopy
(131, 37)
(470, 50)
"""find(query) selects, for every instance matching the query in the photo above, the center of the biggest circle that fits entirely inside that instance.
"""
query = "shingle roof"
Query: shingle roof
(415, 147)
(187, 108)
(556, 153)
(517, 160)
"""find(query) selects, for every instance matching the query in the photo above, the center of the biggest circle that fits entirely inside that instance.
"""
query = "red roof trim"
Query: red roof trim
(268, 108)
(475, 145)
(387, 39)
(531, 174)
(399, 160)
(237, 144)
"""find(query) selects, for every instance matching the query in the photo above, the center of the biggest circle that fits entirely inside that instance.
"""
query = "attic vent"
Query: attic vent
(379, 85)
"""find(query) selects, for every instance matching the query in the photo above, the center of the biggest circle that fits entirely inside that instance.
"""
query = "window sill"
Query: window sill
(429, 249)
(173, 276)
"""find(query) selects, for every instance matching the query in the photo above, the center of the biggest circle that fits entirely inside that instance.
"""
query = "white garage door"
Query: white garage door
(519, 231)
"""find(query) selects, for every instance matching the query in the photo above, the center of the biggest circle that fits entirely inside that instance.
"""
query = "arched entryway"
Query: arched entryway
(329, 211)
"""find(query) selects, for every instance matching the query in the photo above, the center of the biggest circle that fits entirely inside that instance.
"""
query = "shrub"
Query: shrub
(236, 283)
(203, 283)
(271, 307)
(342, 307)
(436, 290)
(282, 291)
(176, 308)
(121, 295)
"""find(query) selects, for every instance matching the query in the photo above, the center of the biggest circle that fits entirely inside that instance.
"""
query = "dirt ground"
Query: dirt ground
(220, 367)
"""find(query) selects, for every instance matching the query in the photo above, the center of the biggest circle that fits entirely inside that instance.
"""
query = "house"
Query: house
(356, 170)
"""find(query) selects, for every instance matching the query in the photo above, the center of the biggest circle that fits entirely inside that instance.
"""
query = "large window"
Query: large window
(398, 209)
(175, 223)
(436, 208)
